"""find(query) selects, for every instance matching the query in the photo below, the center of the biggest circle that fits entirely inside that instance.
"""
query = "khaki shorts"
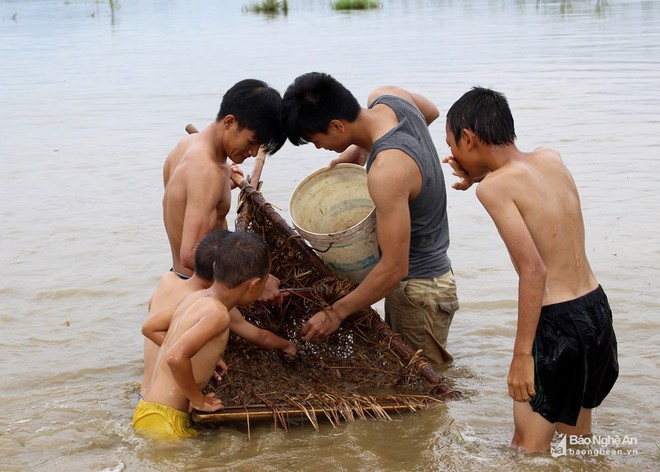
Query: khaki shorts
(160, 421)
(421, 310)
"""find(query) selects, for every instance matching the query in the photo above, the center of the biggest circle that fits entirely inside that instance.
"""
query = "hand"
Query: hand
(521, 378)
(291, 350)
(352, 155)
(237, 170)
(271, 294)
(210, 404)
(221, 369)
(321, 325)
(465, 181)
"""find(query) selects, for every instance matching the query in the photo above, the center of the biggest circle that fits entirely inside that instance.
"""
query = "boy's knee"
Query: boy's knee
(531, 443)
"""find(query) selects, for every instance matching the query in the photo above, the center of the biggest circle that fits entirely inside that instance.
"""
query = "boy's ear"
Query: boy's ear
(228, 120)
(253, 282)
(336, 125)
(469, 138)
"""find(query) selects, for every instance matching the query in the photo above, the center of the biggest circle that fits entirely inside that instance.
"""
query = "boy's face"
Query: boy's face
(240, 143)
(334, 139)
(460, 154)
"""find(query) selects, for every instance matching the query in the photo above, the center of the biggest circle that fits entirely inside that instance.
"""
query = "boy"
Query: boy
(565, 351)
(175, 292)
(197, 337)
(405, 182)
(172, 289)
(196, 175)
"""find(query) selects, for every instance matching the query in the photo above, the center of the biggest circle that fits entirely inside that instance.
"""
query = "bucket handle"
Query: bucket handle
(325, 250)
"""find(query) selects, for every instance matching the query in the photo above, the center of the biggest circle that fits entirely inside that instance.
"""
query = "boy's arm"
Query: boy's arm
(495, 196)
(352, 155)
(259, 337)
(157, 324)
(390, 187)
(180, 354)
(203, 191)
(426, 106)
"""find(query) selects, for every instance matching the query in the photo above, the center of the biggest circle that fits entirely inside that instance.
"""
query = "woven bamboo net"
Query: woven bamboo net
(362, 370)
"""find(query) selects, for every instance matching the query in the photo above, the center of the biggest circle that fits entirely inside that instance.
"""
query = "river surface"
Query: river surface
(93, 95)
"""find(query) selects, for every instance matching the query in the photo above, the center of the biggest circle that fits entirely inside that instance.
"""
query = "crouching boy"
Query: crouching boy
(197, 338)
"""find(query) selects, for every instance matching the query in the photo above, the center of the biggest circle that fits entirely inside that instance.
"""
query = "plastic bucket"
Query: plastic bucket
(332, 210)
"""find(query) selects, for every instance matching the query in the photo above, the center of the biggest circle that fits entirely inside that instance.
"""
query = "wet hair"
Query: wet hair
(240, 257)
(256, 107)
(486, 113)
(311, 102)
(205, 253)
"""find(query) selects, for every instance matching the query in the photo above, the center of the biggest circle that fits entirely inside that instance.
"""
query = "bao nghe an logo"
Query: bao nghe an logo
(595, 445)
(559, 449)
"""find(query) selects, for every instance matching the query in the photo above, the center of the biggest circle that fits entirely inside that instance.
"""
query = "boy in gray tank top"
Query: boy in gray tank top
(407, 186)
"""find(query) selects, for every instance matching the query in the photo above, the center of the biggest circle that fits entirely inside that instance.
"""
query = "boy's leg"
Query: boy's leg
(533, 433)
(581, 428)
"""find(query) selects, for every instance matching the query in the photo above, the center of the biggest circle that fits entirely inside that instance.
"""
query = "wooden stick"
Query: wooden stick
(260, 412)
(258, 167)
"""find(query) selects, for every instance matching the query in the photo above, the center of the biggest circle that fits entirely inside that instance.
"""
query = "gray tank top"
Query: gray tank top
(429, 237)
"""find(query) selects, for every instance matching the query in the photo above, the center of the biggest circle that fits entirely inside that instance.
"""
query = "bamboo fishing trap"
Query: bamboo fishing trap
(362, 370)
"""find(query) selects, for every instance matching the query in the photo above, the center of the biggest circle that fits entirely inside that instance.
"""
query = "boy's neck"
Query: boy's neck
(216, 130)
(496, 157)
(363, 129)
(227, 296)
(199, 283)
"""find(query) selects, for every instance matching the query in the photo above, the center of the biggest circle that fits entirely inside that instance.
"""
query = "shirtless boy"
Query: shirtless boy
(196, 172)
(197, 338)
(565, 351)
(173, 292)
(405, 181)
(172, 289)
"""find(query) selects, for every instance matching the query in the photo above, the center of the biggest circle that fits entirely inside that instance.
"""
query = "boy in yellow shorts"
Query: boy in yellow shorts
(197, 338)
(172, 288)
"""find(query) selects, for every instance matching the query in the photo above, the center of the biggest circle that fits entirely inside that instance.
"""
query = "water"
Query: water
(93, 96)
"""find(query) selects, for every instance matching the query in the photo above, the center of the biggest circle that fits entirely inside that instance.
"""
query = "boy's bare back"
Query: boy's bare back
(536, 190)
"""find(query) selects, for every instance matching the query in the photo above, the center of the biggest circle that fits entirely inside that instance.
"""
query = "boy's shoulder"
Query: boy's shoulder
(170, 280)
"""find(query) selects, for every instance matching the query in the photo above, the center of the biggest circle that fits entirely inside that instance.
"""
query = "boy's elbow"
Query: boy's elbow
(537, 273)
(147, 332)
(173, 361)
(433, 115)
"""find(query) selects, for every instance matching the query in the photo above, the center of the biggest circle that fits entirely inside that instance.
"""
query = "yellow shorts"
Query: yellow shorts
(160, 421)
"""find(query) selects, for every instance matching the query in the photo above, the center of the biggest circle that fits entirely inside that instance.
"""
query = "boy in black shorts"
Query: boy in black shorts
(565, 352)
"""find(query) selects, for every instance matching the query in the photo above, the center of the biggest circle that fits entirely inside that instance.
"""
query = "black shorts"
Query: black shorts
(575, 354)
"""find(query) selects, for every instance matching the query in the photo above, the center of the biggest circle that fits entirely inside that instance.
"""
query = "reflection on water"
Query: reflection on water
(94, 94)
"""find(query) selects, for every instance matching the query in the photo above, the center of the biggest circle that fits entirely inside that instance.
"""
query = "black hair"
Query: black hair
(205, 253)
(486, 113)
(256, 107)
(241, 256)
(311, 102)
